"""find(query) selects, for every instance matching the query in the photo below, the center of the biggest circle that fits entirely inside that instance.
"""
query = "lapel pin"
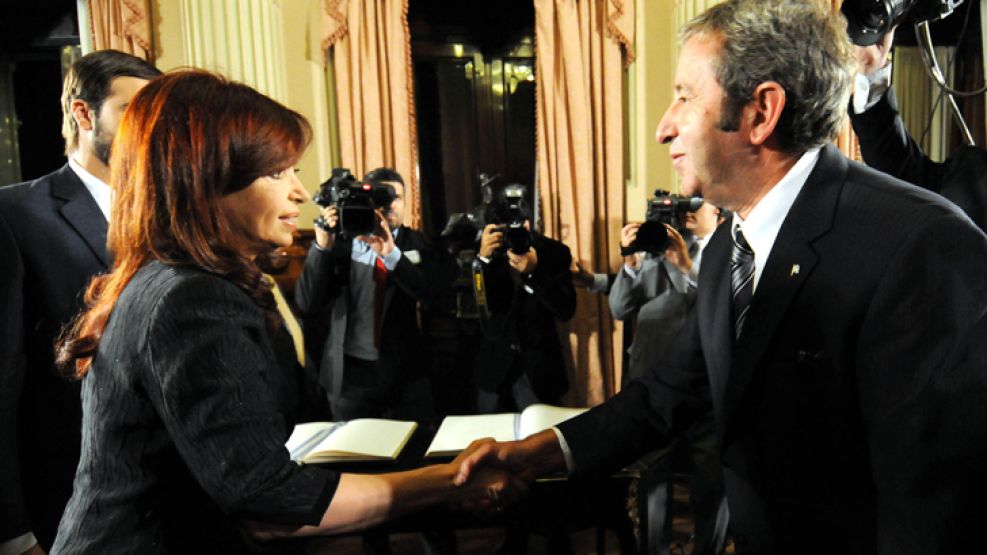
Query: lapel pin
(795, 270)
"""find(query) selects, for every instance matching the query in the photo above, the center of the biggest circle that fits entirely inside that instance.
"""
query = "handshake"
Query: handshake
(489, 475)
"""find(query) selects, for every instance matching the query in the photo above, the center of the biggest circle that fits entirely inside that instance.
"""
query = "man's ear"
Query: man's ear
(764, 111)
(83, 116)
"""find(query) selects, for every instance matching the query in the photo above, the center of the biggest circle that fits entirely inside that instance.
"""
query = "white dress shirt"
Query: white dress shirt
(101, 192)
(764, 221)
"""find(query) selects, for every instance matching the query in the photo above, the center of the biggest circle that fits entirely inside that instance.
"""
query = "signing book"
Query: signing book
(457, 432)
(363, 439)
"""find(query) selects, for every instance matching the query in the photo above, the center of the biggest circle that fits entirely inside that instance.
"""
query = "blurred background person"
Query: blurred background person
(185, 407)
(886, 144)
(52, 241)
(527, 293)
(368, 289)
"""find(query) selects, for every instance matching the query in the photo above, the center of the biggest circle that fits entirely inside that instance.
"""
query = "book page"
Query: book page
(457, 432)
(360, 439)
(540, 417)
(306, 436)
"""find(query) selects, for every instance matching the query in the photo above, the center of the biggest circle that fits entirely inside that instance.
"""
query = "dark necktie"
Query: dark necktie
(380, 283)
(741, 280)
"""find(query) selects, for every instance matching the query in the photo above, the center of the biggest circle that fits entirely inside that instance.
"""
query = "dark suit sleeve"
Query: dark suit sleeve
(318, 283)
(427, 279)
(14, 520)
(551, 280)
(209, 391)
(886, 145)
(647, 414)
(922, 360)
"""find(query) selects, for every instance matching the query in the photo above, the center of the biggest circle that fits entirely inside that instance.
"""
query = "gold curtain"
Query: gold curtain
(581, 51)
(123, 25)
(374, 89)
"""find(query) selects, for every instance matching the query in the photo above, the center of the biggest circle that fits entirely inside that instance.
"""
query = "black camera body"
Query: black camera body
(869, 20)
(511, 213)
(356, 201)
(664, 208)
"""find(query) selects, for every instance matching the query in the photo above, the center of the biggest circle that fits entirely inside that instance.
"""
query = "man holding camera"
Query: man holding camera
(886, 144)
(368, 288)
(520, 358)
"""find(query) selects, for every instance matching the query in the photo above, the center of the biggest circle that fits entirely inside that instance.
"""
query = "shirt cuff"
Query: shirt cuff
(570, 465)
(18, 545)
(392, 258)
(868, 89)
(599, 283)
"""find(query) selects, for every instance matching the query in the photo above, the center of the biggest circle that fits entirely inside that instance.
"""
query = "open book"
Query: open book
(457, 432)
(363, 439)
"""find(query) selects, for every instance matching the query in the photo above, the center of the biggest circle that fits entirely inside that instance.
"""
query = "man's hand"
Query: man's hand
(381, 240)
(628, 234)
(677, 252)
(524, 263)
(491, 240)
(324, 238)
(873, 58)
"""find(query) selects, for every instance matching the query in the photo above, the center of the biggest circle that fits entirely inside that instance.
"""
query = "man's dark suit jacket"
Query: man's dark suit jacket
(322, 296)
(886, 145)
(521, 334)
(850, 413)
(52, 241)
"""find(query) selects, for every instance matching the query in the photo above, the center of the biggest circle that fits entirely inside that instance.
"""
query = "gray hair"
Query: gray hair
(800, 44)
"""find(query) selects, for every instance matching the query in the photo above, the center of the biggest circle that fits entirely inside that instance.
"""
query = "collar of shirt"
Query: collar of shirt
(764, 221)
(100, 191)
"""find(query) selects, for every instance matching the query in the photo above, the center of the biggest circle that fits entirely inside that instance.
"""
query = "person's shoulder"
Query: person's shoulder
(158, 284)
(25, 195)
(892, 198)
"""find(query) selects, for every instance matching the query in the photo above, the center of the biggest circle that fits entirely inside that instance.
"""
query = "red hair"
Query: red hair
(186, 140)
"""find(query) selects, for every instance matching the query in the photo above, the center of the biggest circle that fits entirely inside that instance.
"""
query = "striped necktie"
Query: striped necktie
(741, 280)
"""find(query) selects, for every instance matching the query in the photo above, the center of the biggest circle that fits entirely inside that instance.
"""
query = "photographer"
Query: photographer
(658, 290)
(368, 288)
(520, 358)
(886, 145)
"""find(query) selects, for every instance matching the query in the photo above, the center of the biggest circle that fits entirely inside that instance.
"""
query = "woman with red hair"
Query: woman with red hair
(185, 407)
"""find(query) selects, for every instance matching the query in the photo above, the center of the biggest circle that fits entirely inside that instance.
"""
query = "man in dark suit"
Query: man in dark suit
(886, 144)
(368, 289)
(519, 361)
(52, 241)
(840, 329)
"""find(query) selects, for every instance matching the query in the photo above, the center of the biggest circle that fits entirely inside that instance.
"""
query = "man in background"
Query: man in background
(886, 144)
(52, 241)
(527, 293)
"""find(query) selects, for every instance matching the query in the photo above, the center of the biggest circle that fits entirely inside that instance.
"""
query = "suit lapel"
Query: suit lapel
(715, 322)
(789, 265)
(81, 211)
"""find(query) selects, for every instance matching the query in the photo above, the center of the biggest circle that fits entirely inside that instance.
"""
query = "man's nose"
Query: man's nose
(666, 128)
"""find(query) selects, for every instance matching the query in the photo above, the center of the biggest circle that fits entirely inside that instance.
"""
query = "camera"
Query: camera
(511, 212)
(869, 20)
(355, 200)
(664, 208)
